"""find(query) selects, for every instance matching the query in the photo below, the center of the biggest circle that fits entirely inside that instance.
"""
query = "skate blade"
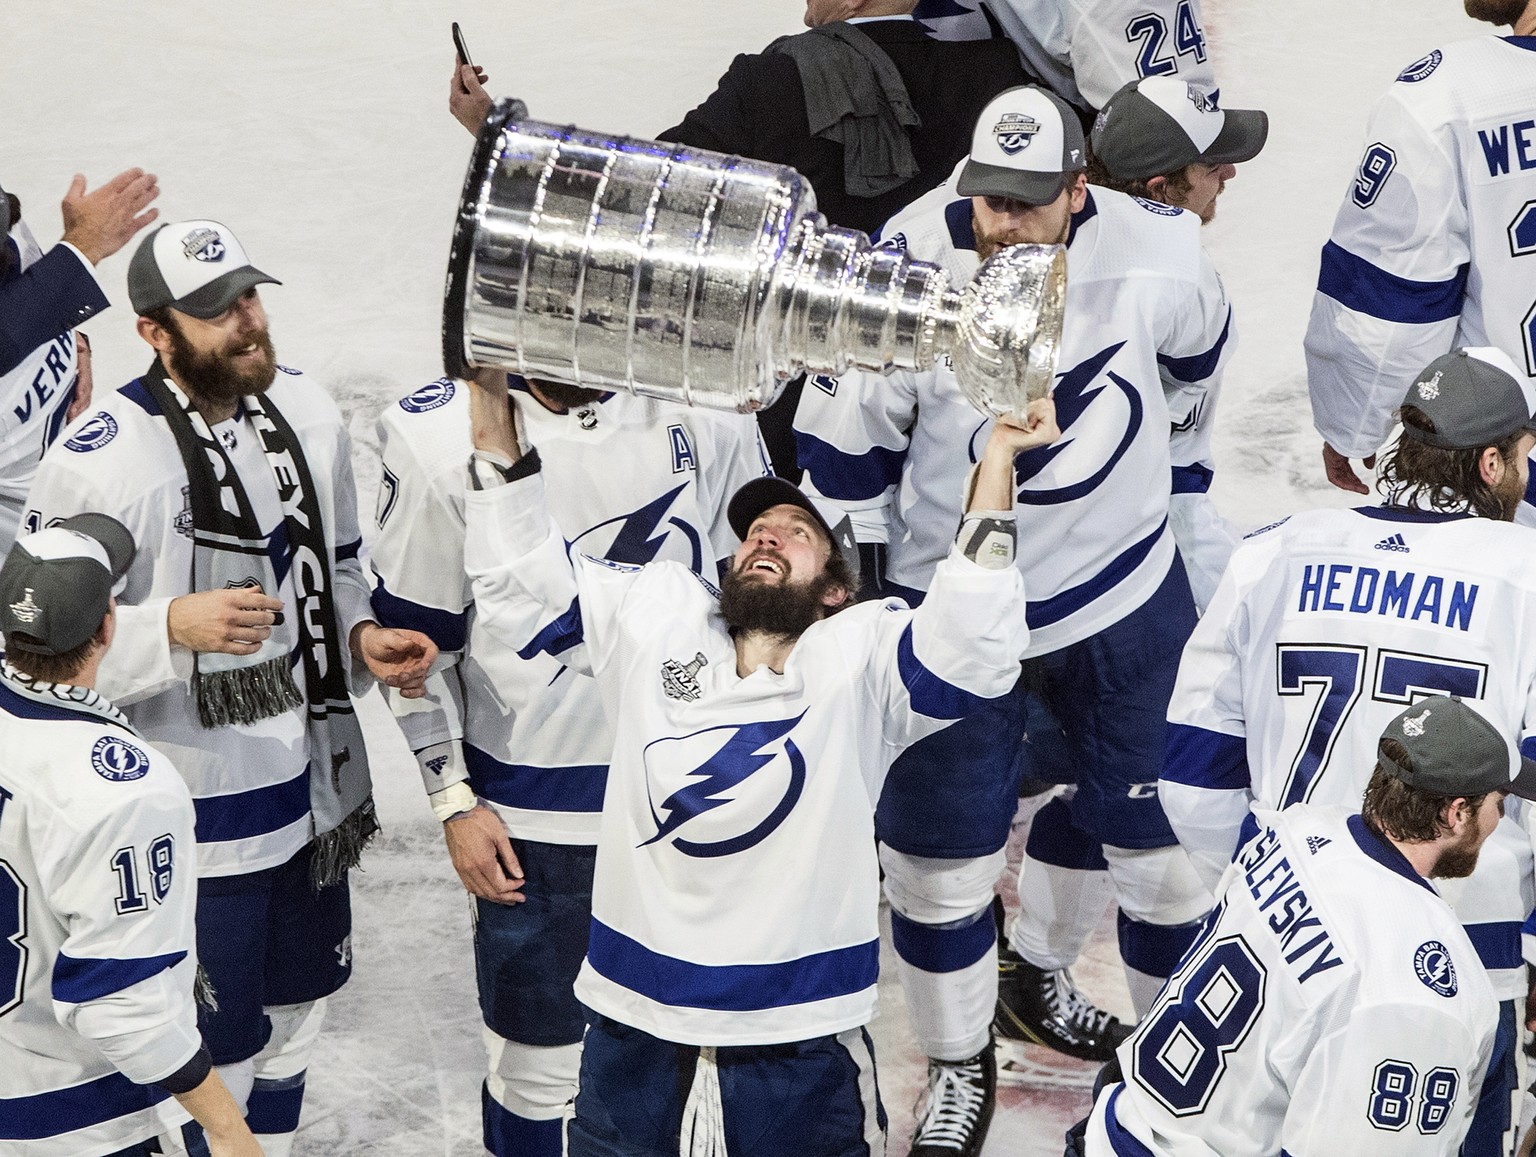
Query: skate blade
(1037, 1067)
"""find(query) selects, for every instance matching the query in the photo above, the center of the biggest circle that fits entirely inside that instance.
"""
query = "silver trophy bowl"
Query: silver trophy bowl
(617, 263)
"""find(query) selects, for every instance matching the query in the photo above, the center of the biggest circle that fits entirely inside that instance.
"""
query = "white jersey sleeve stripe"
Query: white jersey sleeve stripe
(560, 635)
(529, 787)
(1198, 367)
(448, 629)
(60, 1111)
(1203, 758)
(77, 981)
(1363, 287)
(931, 694)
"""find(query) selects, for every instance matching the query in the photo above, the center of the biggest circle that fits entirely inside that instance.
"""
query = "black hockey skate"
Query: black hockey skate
(1045, 1008)
(961, 1097)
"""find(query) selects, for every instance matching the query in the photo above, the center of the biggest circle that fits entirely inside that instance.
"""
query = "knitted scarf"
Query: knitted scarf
(230, 550)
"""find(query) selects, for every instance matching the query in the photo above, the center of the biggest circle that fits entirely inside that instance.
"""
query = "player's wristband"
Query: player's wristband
(988, 537)
(488, 469)
(190, 1075)
(453, 801)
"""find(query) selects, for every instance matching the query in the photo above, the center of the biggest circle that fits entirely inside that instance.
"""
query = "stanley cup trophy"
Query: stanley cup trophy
(616, 263)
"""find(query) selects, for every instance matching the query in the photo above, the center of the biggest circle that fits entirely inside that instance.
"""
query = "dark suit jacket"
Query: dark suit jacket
(57, 293)
(758, 111)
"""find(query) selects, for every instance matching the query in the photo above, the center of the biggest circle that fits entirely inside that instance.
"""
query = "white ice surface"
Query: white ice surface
(319, 133)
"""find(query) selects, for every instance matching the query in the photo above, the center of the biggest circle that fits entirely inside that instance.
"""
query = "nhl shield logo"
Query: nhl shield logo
(1015, 132)
(679, 680)
(203, 245)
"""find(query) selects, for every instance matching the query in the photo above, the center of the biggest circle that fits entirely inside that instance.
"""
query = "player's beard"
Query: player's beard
(1496, 11)
(780, 609)
(989, 243)
(213, 376)
(1458, 861)
(1509, 492)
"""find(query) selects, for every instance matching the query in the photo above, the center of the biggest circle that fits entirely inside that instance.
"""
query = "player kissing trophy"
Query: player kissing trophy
(617, 263)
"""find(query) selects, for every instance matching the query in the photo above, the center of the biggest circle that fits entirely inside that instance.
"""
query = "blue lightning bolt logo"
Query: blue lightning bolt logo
(641, 534)
(1075, 392)
(735, 761)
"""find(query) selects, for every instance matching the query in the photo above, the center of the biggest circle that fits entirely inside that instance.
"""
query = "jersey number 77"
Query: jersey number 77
(1336, 675)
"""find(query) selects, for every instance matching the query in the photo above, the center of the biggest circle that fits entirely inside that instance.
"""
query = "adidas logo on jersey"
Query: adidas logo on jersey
(1394, 543)
(1316, 844)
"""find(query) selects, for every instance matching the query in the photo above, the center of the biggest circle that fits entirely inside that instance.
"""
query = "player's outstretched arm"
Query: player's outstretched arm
(1009, 438)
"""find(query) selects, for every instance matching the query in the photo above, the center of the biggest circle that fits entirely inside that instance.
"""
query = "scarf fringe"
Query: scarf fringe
(339, 850)
(247, 694)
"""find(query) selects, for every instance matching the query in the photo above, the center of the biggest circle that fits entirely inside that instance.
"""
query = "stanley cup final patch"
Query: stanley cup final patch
(203, 245)
(680, 681)
(1015, 131)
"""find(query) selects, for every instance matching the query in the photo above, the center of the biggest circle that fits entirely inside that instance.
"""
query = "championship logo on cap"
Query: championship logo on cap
(1430, 390)
(1197, 98)
(204, 245)
(26, 611)
(1015, 131)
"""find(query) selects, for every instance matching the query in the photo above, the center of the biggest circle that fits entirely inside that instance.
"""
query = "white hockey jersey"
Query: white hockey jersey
(1323, 629)
(1085, 50)
(630, 479)
(97, 948)
(736, 894)
(1332, 1007)
(1147, 330)
(1434, 246)
(34, 397)
(249, 782)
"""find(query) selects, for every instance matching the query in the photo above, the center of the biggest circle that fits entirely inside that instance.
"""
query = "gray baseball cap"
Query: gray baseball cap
(1024, 144)
(195, 267)
(762, 494)
(1475, 397)
(1455, 751)
(56, 584)
(1159, 124)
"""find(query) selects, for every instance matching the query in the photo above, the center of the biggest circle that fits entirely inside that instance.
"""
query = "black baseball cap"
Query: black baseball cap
(1024, 144)
(1475, 397)
(765, 493)
(195, 267)
(1160, 124)
(1455, 751)
(56, 584)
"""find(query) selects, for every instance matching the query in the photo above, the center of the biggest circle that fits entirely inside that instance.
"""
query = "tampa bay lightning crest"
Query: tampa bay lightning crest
(643, 535)
(1015, 131)
(118, 760)
(430, 397)
(724, 789)
(1420, 69)
(1432, 964)
(1100, 414)
(95, 434)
